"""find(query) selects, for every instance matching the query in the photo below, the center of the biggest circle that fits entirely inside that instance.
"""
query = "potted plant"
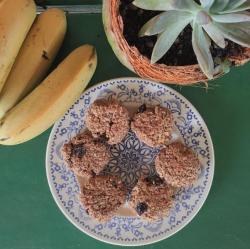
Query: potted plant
(179, 41)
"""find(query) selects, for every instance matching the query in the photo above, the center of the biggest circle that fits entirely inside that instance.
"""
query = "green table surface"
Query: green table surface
(30, 219)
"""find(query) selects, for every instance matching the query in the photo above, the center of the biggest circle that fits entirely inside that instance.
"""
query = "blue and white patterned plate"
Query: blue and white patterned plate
(129, 160)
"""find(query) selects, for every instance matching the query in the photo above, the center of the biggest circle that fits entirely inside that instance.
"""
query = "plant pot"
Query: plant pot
(136, 62)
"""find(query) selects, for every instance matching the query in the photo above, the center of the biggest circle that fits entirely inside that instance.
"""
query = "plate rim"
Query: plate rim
(132, 243)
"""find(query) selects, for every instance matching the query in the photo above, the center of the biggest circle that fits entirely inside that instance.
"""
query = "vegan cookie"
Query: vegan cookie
(108, 120)
(178, 165)
(152, 198)
(102, 196)
(153, 126)
(85, 155)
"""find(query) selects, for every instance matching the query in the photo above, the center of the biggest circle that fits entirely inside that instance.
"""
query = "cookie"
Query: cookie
(152, 198)
(178, 165)
(86, 155)
(153, 126)
(102, 196)
(108, 120)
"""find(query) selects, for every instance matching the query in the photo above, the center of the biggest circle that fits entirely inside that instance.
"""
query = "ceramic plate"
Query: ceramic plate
(127, 160)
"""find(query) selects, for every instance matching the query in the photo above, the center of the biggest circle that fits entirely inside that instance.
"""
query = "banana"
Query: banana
(16, 18)
(51, 99)
(35, 57)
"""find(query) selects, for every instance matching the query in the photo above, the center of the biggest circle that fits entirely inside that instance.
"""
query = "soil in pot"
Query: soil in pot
(181, 53)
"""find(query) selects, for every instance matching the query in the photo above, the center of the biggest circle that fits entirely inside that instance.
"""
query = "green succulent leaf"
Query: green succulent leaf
(233, 4)
(242, 7)
(223, 66)
(185, 5)
(219, 5)
(215, 34)
(154, 4)
(165, 5)
(244, 26)
(207, 3)
(232, 18)
(226, 66)
(167, 38)
(158, 23)
(201, 46)
(235, 33)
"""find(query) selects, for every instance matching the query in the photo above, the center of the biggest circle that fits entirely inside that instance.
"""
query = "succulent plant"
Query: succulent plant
(212, 21)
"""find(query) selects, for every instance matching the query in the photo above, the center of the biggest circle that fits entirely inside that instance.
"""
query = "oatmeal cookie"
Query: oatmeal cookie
(178, 165)
(152, 198)
(108, 120)
(153, 126)
(102, 196)
(85, 155)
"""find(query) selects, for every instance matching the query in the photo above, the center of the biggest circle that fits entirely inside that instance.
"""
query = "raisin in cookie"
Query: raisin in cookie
(102, 196)
(85, 155)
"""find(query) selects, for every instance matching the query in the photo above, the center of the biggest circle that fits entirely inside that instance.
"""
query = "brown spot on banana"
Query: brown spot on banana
(92, 54)
(27, 3)
(23, 129)
(1, 122)
(4, 139)
(90, 65)
(45, 55)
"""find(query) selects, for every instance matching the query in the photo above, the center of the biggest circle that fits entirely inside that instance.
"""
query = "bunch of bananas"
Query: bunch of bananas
(29, 102)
